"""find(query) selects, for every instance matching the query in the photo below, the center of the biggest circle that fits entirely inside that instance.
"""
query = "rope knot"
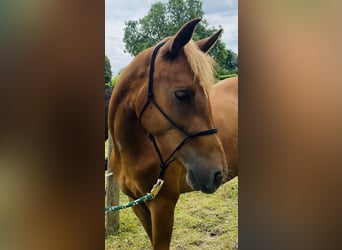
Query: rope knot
(191, 135)
(163, 165)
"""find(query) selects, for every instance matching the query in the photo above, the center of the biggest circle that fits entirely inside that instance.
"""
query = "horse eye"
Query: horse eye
(184, 95)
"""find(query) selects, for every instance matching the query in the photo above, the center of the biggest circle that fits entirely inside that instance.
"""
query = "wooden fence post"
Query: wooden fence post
(112, 197)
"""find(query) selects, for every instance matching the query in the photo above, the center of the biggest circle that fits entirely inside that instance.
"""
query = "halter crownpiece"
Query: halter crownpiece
(150, 79)
(164, 163)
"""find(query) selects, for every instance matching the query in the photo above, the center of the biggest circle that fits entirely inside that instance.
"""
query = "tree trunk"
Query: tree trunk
(112, 197)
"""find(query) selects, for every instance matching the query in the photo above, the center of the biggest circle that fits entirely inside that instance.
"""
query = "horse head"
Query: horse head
(174, 107)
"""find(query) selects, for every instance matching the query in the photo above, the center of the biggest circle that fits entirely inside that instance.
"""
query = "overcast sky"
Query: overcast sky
(216, 12)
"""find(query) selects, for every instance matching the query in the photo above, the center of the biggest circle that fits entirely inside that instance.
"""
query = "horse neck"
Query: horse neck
(127, 130)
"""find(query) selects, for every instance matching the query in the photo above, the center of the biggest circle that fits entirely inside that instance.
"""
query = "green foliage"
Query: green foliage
(226, 59)
(164, 19)
(115, 79)
(108, 71)
(221, 77)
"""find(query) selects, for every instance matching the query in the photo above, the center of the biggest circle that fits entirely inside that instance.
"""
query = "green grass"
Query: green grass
(202, 221)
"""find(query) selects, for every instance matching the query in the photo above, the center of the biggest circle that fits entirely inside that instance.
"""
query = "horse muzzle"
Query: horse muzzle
(204, 181)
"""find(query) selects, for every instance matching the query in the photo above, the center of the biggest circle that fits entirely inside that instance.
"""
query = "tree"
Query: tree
(108, 70)
(232, 61)
(164, 19)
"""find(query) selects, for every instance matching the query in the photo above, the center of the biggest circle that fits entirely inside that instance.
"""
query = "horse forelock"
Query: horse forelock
(201, 64)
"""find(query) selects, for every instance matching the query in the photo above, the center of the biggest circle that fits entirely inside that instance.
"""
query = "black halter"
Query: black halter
(164, 163)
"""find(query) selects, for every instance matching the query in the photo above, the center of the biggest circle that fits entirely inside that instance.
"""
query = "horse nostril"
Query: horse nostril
(191, 173)
(217, 178)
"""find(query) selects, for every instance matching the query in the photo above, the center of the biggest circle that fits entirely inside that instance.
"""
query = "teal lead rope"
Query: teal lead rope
(147, 197)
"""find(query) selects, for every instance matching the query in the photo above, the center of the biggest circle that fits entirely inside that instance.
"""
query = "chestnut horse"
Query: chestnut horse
(224, 104)
(162, 127)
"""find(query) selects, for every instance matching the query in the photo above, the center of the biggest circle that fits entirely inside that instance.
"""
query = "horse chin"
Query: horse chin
(208, 191)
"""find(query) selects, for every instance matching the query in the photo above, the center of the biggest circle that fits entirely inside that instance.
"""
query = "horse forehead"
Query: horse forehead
(177, 80)
(178, 71)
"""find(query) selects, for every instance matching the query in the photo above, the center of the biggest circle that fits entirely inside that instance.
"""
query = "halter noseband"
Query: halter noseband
(164, 163)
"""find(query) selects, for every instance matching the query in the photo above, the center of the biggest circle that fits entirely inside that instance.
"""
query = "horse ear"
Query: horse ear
(182, 37)
(206, 44)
